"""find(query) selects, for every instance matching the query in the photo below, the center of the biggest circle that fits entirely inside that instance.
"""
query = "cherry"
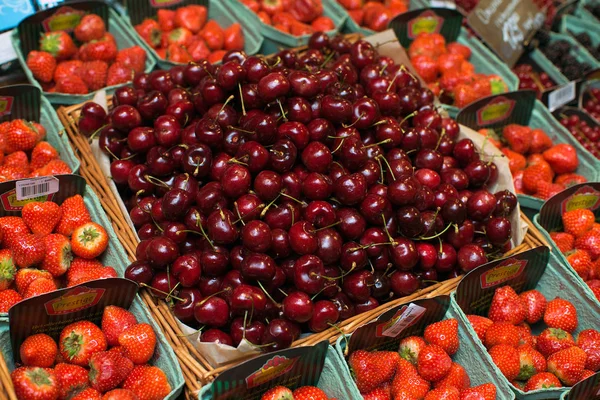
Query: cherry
(273, 86)
(125, 95)
(446, 260)
(403, 283)
(152, 105)
(498, 230)
(256, 236)
(221, 228)
(506, 202)
(325, 314)
(465, 152)
(184, 310)
(235, 181)
(164, 283)
(212, 311)
(317, 157)
(370, 304)
(302, 238)
(428, 255)
(329, 249)
(216, 336)
(481, 205)
(462, 237)
(139, 272)
(352, 223)
(254, 155)
(403, 254)
(161, 252)
(336, 109)
(317, 186)
(280, 334)
(297, 307)
(357, 285)
(175, 203)
(308, 274)
(471, 256)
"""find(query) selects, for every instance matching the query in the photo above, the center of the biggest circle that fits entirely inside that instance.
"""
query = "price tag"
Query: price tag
(408, 317)
(561, 96)
(443, 4)
(30, 188)
(7, 53)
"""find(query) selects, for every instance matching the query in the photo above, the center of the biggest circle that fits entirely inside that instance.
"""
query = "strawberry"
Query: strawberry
(371, 369)
(38, 351)
(507, 360)
(457, 377)
(108, 370)
(79, 341)
(86, 276)
(546, 190)
(149, 30)
(71, 379)
(21, 135)
(535, 305)
(25, 276)
(444, 334)
(516, 161)
(34, 383)
(590, 242)
(93, 74)
(139, 341)
(115, 320)
(119, 73)
(581, 262)
(8, 298)
(407, 384)
(570, 179)
(543, 380)
(91, 27)
(410, 347)
(487, 391)
(72, 85)
(502, 333)
(198, 50)
(11, 173)
(216, 56)
(535, 174)
(552, 340)
(540, 141)
(41, 218)
(103, 49)
(39, 286)
(67, 68)
(567, 365)
(133, 57)
(278, 393)
(532, 362)
(54, 167)
(42, 154)
(41, 131)
(561, 314)
(233, 37)
(589, 341)
(7, 269)
(309, 393)
(58, 254)
(28, 250)
(88, 394)
(178, 53)
(518, 137)
(562, 158)
(59, 44)
(586, 374)
(166, 19)
(120, 394)
(443, 393)
(191, 17)
(17, 158)
(89, 240)
(380, 393)
(525, 336)
(213, 34)
(75, 214)
(11, 229)
(564, 241)
(506, 306)
(82, 266)
(480, 325)
(433, 363)
(179, 36)
(42, 65)
(148, 383)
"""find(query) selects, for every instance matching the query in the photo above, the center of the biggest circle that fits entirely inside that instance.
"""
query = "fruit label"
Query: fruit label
(6, 103)
(11, 202)
(428, 22)
(506, 25)
(407, 26)
(64, 19)
(27, 189)
(502, 273)
(561, 96)
(164, 3)
(584, 197)
(49, 313)
(293, 367)
(497, 110)
(405, 317)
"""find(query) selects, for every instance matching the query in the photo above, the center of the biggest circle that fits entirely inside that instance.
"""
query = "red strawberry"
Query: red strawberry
(108, 370)
(532, 362)
(518, 137)
(178, 53)
(443, 393)
(546, 190)
(516, 161)
(38, 350)
(91, 27)
(570, 179)
(115, 320)
(80, 267)
(89, 240)
(552, 340)
(543, 380)
(410, 347)
(407, 384)
(71, 85)
(564, 241)
(533, 175)
(104, 49)
(561, 314)
(535, 305)
(17, 158)
(380, 393)
(191, 17)
(507, 360)
(589, 341)
(581, 262)
(525, 336)
(149, 30)
(133, 57)
(28, 250)
(371, 369)
(502, 333)
(79, 341)
(198, 50)
(309, 393)
(94, 74)
(88, 394)
(457, 377)
(34, 383)
(507, 306)
(71, 379)
(25, 276)
(213, 34)
(42, 65)
(233, 37)
(120, 394)
(179, 36)
(59, 44)
(67, 68)
(21, 135)
(278, 393)
(58, 254)
(75, 214)
(590, 242)
(119, 73)
(148, 383)
(562, 158)
(433, 363)
(8, 298)
(487, 391)
(42, 154)
(444, 334)
(12, 228)
(7, 269)
(41, 218)
(586, 374)
(567, 365)
(166, 19)
(39, 286)
(480, 325)
(539, 141)
(139, 341)
(54, 167)
(91, 275)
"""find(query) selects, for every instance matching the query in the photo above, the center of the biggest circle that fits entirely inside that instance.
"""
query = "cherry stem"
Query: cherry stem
(199, 225)
(339, 146)
(440, 138)
(293, 198)
(392, 82)
(169, 295)
(237, 211)
(208, 297)
(111, 153)
(386, 141)
(156, 182)
(408, 116)
(385, 228)
(242, 99)
(327, 59)
(388, 165)
(283, 114)
(362, 114)
(284, 293)
(236, 161)
(437, 234)
(380, 171)
(328, 226)
(264, 211)
(267, 293)
(96, 132)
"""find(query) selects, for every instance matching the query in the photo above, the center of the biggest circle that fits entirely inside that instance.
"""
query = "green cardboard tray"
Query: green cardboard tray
(124, 36)
(352, 27)
(583, 13)
(334, 380)
(164, 357)
(274, 39)
(557, 279)
(56, 136)
(570, 25)
(220, 12)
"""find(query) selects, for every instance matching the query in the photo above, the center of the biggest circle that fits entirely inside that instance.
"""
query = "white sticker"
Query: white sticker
(443, 4)
(7, 53)
(30, 188)
(561, 96)
(410, 314)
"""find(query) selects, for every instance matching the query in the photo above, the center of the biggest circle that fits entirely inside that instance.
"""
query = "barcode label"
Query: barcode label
(443, 4)
(561, 96)
(30, 188)
(410, 314)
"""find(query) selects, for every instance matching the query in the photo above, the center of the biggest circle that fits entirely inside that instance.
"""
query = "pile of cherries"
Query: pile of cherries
(591, 102)
(529, 78)
(586, 134)
(274, 196)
